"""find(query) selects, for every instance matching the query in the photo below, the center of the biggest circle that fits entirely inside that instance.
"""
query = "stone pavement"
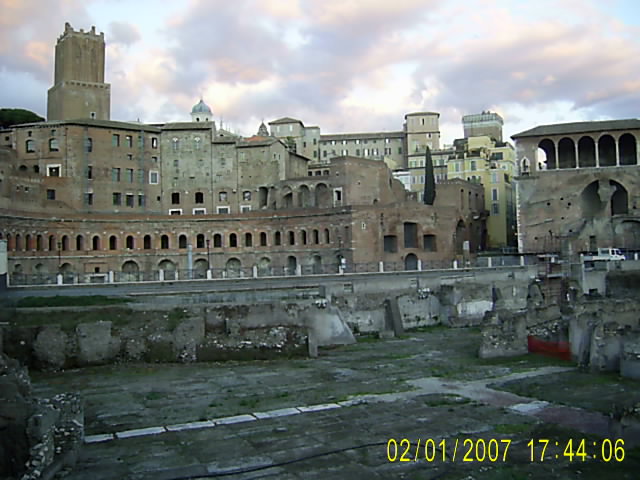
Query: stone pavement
(330, 417)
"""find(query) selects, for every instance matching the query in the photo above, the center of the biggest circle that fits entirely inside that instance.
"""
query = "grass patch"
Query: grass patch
(64, 301)
(249, 402)
(368, 338)
(69, 320)
(531, 360)
(176, 316)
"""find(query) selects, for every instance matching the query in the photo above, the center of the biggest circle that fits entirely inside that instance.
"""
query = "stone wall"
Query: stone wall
(153, 333)
(39, 435)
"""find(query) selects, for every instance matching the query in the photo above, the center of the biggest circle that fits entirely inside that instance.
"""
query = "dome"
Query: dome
(201, 107)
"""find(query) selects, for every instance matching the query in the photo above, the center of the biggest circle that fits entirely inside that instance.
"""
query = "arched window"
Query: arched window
(327, 236)
(95, 243)
(199, 197)
(164, 242)
(182, 241)
(277, 239)
(27, 242)
(233, 240)
(147, 242)
(217, 241)
(248, 240)
(79, 242)
(303, 237)
(65, 243)
(292, 238)
(130, 242)
(30, 146)
(38, 242)
(113, 242)
(316, 237)
(263, 239)
(200, 240)
(51, 243)
(88, 144)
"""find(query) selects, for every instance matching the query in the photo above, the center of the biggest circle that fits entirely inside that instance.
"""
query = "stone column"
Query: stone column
(575, 144)
(161, 275)
(419, 265)
(597, 152)
(555, 147)
(381, 266)
(617, 151)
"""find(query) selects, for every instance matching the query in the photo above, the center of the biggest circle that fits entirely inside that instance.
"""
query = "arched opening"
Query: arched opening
(169, 269)
(264, 267)
(217, 240)
(316, 236)
(292, 264)
(277, 238)
(182, 241)
(317, 264)
(130, 242)
(79, 242)
(619, 199)
(18, 242)
(200, 241)
(199, 197)
(566, 153)
(65, 243)
(303, 237)
(327, 236)
(200, 268)
(525, 166)
(627, 149)
(147, 242)
(607, 151)
(27, 243)
(263, 239)
(164, 242)
(41, 271)
(287, 198)
(590, 200)
(263, 193)
(233, 240)
(305, 196)
(38, 242)
(248, 240)
(292, 237)
(323, 197)
(113, 242)
(233, 267)
(130, 271)
(546, 155)
(586, 152)
(460, 237)
(67, 273)
(95, 243)
(411, 262)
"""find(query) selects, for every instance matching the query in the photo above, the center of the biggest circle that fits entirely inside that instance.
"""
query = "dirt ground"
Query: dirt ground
(399, 408)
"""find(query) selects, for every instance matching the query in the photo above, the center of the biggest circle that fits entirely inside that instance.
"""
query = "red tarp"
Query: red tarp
(553, 349)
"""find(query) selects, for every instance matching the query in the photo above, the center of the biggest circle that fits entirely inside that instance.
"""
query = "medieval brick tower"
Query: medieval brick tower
(79, 90)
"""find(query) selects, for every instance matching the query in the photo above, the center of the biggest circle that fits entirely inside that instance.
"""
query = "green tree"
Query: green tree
(16, 116)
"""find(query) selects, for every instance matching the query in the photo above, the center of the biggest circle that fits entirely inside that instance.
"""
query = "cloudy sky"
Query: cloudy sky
(345, 65)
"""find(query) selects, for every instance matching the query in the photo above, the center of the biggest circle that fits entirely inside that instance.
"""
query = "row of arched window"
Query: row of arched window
(63, 243)
(605, 151)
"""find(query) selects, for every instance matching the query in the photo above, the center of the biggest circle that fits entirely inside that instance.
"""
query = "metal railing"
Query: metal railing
(77, 278)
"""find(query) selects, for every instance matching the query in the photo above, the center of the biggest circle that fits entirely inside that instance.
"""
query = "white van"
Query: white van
(608, 254)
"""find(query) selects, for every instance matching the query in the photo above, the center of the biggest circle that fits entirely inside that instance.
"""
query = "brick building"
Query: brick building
(96, 200)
